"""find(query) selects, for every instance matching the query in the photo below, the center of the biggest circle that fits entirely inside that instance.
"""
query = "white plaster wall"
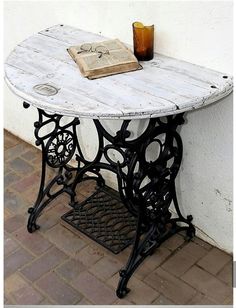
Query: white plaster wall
(196, 31)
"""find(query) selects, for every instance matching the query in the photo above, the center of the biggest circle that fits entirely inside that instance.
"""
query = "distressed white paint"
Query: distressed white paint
(164, 86)
(187, 30)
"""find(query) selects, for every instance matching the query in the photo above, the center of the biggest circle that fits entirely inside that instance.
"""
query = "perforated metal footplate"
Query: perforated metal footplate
(105, 219)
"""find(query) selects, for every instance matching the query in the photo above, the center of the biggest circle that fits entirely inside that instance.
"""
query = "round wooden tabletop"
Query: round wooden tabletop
(41, 72)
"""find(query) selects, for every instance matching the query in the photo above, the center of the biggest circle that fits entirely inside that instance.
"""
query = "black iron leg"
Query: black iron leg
(58, 147)
(151, 200)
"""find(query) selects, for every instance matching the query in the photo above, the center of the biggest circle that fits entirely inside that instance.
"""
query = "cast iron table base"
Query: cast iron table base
(146, 187)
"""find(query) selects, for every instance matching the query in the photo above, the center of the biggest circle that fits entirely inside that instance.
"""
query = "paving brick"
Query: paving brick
(15, 151)
(51, 172)
(105, 268)
(86, 188)
(10, 178)
(14, 223)
(47, 302)
(226, 274)
(162, 300)
(62, 293)
(65, 198)
(32, 154)
(15, 203)
(13, 283)
(207, 284)
(94, 290)
(7, 169)
(202, 243)
(27, 182)
(31, 194)
(198, 251)
(201, 299)
(8, 301)
(35, 242)
(122, 301)
(27, 296)
(214, 261)
(84, 302)
(140, 293)
(174, 242)
(89, 255)
(171, 287)
(10, 141)
(229, 300)
(113, 281)
(21, 166)
(152, 262)
(123, 256)
(8, 135)
(57, 205)
(16, 260)
(9, 245)
(65, 240)
(182, 260)
(36, 163)
(61, 208)
(43, 264)
(48, 220)
(7, 214)
(70, 269)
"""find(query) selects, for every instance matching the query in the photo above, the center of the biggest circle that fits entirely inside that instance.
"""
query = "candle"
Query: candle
(143, 37)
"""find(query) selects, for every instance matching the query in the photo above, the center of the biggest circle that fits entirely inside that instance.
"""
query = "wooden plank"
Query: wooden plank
(186, 72)
(72, 36)
(64, 102)
(57, 72)
(144, 78)
(164, 86)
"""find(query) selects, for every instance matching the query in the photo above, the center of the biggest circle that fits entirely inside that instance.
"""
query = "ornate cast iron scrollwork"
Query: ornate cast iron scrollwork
(146, 186)
(58, 147)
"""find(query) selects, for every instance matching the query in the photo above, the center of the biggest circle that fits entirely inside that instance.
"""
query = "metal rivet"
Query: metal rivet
(225, 77)
(214, 87)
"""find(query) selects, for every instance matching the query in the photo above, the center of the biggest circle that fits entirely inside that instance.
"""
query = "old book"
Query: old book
(102, 59)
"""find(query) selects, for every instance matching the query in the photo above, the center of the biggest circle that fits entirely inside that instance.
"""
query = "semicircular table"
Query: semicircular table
(41, 72)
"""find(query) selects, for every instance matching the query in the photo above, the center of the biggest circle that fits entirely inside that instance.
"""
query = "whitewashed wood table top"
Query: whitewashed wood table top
(165, 86)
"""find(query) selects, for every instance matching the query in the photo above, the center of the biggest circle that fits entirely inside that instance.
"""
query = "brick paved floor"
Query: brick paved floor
(57, 266)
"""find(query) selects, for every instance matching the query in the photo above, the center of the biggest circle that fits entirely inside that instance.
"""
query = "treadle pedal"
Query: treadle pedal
(105, 219)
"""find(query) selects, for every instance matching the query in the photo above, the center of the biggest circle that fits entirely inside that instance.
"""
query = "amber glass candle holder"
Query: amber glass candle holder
(143, 37)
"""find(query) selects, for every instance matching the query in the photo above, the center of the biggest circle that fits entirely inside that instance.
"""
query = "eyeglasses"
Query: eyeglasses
(101, 50)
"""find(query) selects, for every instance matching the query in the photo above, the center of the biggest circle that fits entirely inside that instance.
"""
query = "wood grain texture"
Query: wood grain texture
(165, 85)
